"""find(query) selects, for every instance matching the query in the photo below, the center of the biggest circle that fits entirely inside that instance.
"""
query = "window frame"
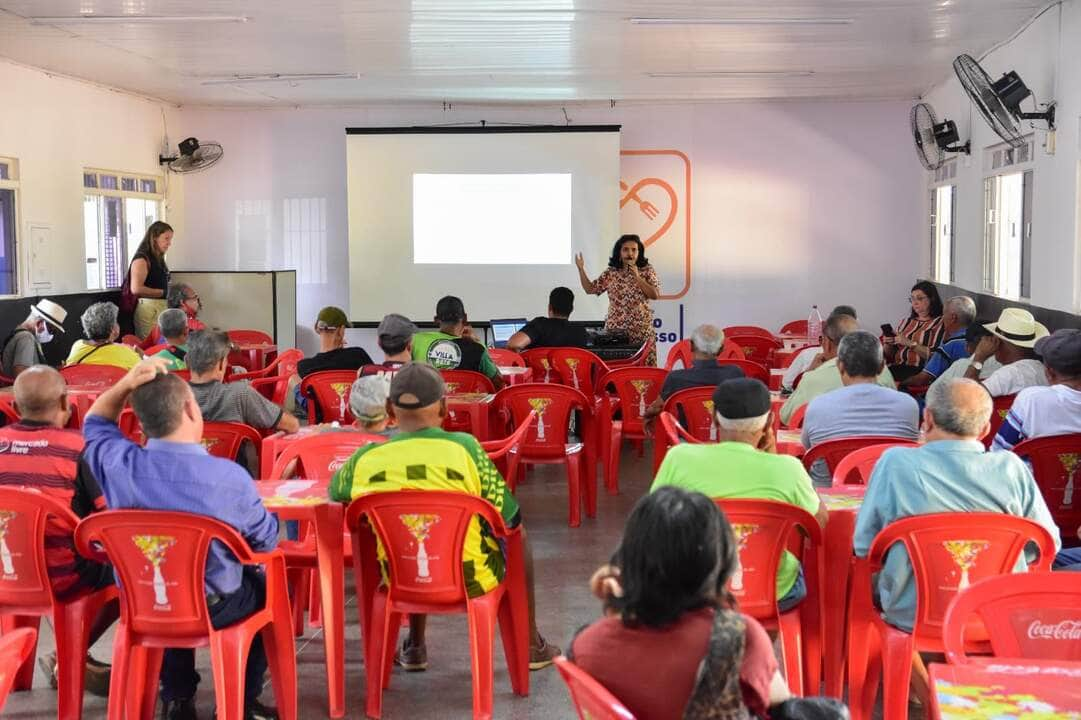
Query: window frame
(12, 183)
(96, 190)
(1001, 161)
(948, 181)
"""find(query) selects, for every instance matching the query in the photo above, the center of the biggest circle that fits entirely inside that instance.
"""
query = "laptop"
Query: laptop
(503, 329)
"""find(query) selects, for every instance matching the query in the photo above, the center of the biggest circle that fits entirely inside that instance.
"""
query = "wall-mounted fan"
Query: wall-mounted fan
(933, 138)
(194, 156)
(1000, 101)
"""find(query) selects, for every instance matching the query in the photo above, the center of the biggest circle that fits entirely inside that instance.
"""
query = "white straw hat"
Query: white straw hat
(50, 312)
(1018, 327)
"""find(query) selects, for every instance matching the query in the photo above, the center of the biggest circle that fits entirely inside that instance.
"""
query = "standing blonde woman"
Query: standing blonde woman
(149, 276)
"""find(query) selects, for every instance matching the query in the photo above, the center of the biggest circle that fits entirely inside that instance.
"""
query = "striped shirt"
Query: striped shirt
(927, 332)
(49, 459)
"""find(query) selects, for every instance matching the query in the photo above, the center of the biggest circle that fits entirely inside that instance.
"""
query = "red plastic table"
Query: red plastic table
(843, 504)
(1006, 688)
(476, 406)
(308, 500)
(275, 444)
(516, 375)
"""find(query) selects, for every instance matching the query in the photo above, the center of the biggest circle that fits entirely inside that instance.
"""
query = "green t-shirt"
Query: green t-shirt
(175, 362)
(731, 470)
(448, 352)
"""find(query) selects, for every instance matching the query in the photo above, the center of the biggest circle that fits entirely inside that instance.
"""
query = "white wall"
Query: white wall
(1047, 56)
(55, 127)
(793, 203)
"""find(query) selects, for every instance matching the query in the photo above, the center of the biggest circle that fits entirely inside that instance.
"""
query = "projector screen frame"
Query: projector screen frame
(475, 129)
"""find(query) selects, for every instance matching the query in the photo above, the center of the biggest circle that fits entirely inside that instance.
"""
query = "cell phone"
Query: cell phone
(887, 330)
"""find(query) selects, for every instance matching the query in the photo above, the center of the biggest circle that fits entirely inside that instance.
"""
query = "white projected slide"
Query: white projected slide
(485, 219)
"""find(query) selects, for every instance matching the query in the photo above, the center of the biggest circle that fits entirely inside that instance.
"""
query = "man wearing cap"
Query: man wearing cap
(330, 326)
(368, 403)
(1011, 342)
(22, 348)
(453, 346)
(396, 341)
(744, 464)
(423, 456)
(1053, 410)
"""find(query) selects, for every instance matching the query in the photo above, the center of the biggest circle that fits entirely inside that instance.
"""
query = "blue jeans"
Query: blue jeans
(1068, 559)
(794, 596)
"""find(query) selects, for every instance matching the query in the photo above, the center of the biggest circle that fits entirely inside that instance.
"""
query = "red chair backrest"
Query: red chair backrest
(15, 647)
(750, 368)
(855, 468)
(637, 388)
(636, 360)
(833, 451)
(794, 327)
(1056, 465)
(950, 551)
(763, 530)
(730, 351)
(328, 395)
(92, 376)
(80, 403)
(131, 427)
(682, 353)
(423, 534)
(537, 358)
(24, 575)
(674, 433)
(466, 381)
(795, 420)
(747, 330)
(506, 358)
(498, 448)
(132, 341)
(160, 560)
(591, 699)
(547, 435)
(578, 368)
(7, 408)
(319, 456)
(273, 388)
(693, 408)
(1035, 615)
(1000, 409)
(224, 439)
(250, 336)
(755, 347)
(284, 365)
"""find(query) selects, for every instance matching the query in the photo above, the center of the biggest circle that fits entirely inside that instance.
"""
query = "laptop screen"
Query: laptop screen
(503, 329)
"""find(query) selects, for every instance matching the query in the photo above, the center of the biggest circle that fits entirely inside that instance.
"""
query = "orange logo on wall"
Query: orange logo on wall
(655, 204)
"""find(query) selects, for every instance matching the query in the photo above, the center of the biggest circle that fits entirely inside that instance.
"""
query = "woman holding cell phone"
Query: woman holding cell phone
(916, 337)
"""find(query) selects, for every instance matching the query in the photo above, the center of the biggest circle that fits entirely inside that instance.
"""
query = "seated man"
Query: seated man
(554, 330)
(811, 357)
(706, 344)
(957, 314)
(744, 464)
(330, 326)
(973, 334)
(173, 327)
(1055, 410)
(396, 341)
(174, 472)
(447, 461)
(22, 348)
(100, 347)
(39, 453)
(453, 346)
(826, 377)
(368, 403)
(950, 473)
(862, 406)
(183, 297)
(208, 355)
(1011, 343)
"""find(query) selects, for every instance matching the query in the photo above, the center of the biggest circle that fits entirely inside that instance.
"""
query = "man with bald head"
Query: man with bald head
(827, 376)
(38, 452)
(423, 456)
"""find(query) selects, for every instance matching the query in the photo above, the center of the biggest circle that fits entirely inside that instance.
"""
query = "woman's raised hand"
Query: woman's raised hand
(580, 261)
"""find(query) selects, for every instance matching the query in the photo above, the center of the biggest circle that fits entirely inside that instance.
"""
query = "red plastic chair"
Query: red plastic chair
(674, 433)
(133, 341)
(834, 451)
(750, 368)
(423, 533)
(763, 530)
(7, 408)
(15, 647)
(1056, 464)
(504, 452)
(92, 376)
(855, 468)
(744, 330)
(731, 351)
(225, 439)
(795, 420)
(250, 336)
(794, 327)
(756, 347)
(506, 358)
(1000, 409)
(636, 389)
(591, 699)
(160, 560)
(547, 439)
(693, 409)
(1025, 616)
(129, 424)
(26, 594)
(578, 368)
(466, 381)
(319, 456)
(636, 360)
(948, 551)
(80, 404)
(284, 365)
(272, 388)
(537, 358)
(328, 396)
(682, 353)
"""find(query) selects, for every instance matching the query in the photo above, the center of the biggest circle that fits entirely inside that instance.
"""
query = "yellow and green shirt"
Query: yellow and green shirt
(434, 459)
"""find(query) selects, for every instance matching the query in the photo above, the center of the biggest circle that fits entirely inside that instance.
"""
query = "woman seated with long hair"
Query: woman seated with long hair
(671, 643)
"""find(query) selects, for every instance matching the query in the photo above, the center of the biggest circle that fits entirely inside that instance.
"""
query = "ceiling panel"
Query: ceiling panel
(509, 50)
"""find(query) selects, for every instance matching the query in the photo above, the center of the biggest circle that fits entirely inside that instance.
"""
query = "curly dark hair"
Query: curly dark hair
(617, 263)
(677, 554)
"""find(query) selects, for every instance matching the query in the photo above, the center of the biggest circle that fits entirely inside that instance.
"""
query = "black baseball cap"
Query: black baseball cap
(741, 398)
(415, 386)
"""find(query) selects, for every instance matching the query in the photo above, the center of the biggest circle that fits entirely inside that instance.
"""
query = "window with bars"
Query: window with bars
(1007, 236)
(117, 209)
(9, 247)
(943, 216)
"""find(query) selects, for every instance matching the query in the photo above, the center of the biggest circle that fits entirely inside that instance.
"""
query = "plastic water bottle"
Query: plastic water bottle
(814, 325)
